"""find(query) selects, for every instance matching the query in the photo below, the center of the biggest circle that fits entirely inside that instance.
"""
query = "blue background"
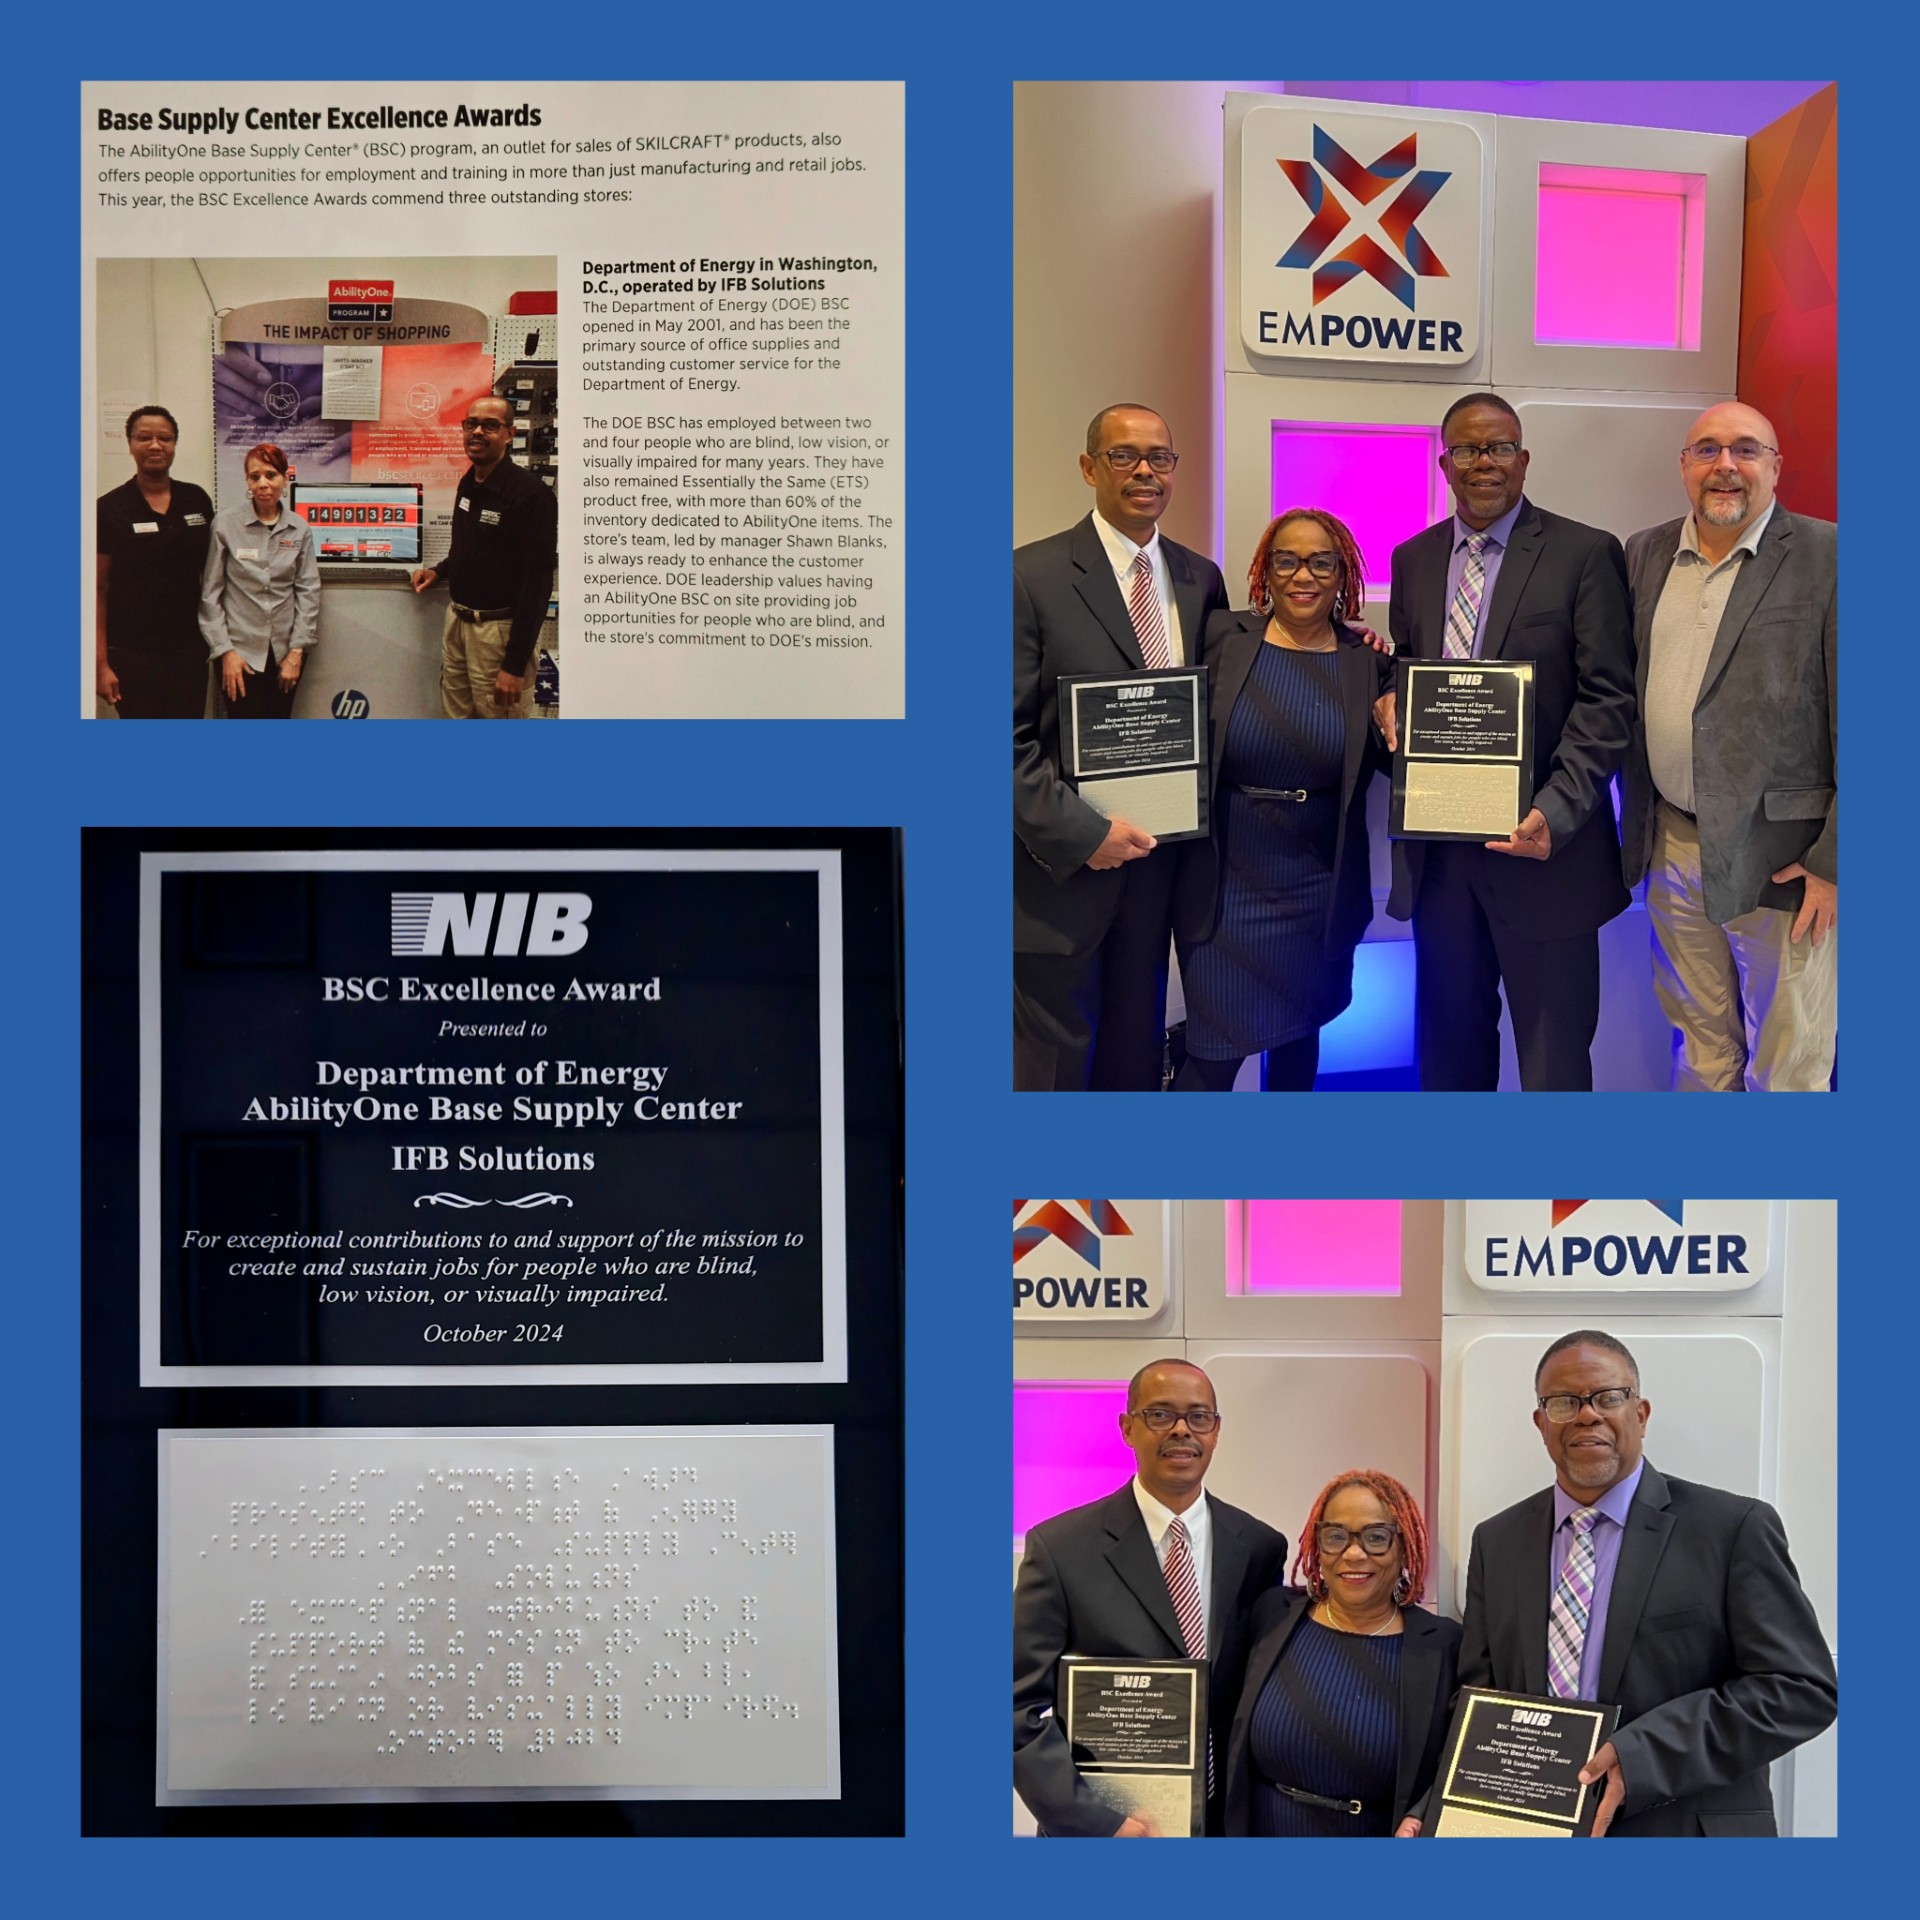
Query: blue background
(971, 1146)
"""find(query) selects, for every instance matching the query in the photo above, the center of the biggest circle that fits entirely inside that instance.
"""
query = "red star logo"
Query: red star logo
(1330, 219)
(1054, 1222)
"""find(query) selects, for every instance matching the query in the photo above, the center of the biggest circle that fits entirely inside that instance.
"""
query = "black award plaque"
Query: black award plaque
(1138, 1733)
(1136, 747)
(529, 1116)
(1511, 1768)
(1464, 767)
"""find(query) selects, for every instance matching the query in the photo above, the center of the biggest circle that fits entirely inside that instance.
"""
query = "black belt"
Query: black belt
(1282, 793)
(478, 614)
(1353, 1807)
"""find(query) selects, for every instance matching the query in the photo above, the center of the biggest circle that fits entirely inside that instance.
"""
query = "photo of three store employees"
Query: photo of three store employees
(177, 587)
(1329, 1700)
(1698, 665)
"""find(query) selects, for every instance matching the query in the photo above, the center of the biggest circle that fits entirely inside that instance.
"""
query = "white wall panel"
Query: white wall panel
(1712, 1387)
(1294, 1417)
(1212, 1313)
(1517, 359)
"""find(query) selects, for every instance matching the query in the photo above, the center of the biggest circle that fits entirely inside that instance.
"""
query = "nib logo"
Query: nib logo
(1051, 1220)
(1673, 1209)
(1331, 218)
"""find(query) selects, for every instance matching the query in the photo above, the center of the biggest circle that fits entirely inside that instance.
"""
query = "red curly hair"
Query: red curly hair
(1351, 595)
(1406, 1516)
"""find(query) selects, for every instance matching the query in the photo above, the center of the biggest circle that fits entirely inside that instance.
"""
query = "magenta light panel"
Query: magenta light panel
(1317, 1247)
(1620, 261)
(1382, 481)
(1067, 1447)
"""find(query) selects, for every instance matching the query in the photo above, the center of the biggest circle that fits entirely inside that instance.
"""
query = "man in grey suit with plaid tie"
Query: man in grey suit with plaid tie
(1677, 1603)
(1156, 1571)
(1092, 898)
(1503, 580)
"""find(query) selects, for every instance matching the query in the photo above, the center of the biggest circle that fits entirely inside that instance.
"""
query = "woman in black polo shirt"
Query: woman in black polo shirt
(151, 546)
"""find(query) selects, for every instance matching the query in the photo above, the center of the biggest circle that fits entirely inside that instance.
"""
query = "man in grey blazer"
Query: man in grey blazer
(1092, 898)
(1732, 810)
(1096, 1580)
(1675, 1602)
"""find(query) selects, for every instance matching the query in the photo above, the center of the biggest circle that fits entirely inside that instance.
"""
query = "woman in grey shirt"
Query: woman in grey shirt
(260, 594)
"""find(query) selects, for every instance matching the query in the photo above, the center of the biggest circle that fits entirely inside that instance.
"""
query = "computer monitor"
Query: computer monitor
(362, 524)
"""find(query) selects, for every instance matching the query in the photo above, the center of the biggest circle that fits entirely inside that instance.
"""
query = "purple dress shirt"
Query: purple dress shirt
(1607, 1530)
(1497, 537)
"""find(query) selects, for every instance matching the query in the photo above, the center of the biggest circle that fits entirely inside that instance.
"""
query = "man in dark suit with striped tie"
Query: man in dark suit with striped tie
(1157, 1571)
(1092, 897)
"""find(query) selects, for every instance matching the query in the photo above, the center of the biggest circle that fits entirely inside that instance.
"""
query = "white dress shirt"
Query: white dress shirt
(1121, 551)
(1199, 1521)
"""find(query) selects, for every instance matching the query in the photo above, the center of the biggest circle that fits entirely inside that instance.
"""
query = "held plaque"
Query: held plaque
(1464, 767)
(1138, 1733)
(1511, 1768)
(1136, 747)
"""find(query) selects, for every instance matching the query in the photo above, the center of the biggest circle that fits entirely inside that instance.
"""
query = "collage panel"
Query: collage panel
(492, 1375)
(1425, 596)
(563, 401)
(1288, 1563)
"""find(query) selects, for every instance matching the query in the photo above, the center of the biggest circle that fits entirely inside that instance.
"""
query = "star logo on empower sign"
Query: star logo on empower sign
(1051, 1221)
(1375, 216)
(1331, 217)
(1675, 1210)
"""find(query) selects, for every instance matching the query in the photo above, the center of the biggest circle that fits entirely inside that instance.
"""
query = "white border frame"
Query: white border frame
(823, 863)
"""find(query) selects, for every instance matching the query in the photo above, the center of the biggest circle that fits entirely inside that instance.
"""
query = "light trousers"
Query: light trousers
(1750, 1008)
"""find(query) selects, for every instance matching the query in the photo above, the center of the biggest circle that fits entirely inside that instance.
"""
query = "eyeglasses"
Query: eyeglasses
(1464, 456)
(1375, 1541)
(1704, 453)
(473, 424)
(1198, 1419)
(1323, 566)
(1561, 1407)
(1125, 459)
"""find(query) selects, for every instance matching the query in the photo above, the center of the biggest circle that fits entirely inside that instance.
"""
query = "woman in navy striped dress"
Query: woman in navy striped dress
(1270, 910)
(1349, 1682)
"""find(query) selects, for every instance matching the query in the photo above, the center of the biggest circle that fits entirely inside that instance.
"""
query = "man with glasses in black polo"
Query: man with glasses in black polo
(1501, 579)
(1157, 1571)
(1677, 1603)
(1092, 899)
(1732, 808)
(500, 568)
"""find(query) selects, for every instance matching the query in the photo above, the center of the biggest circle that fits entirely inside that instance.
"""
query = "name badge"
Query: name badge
(196, 519)
(463, 503)
(249, 553)
(146, 526)
(488, 517)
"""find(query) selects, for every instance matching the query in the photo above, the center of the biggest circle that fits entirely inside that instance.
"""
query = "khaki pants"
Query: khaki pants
(470, 655)
(1752, 1009)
